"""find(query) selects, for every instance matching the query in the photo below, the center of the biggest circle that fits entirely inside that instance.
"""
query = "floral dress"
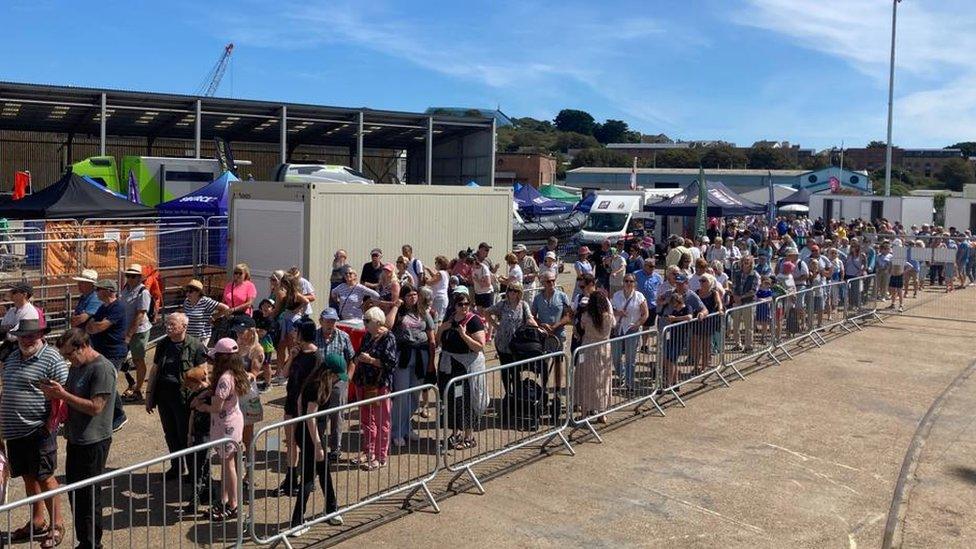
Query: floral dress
(228, 421)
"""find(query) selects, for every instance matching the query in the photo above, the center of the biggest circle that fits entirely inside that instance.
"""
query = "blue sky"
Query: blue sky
(812, 72)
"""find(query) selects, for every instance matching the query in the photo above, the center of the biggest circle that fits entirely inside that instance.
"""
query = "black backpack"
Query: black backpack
(151, 311)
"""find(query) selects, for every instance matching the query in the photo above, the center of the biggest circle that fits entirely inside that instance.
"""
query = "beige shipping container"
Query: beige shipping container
(277, 225)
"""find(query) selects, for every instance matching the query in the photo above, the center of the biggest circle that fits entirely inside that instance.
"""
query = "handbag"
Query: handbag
(251, 405)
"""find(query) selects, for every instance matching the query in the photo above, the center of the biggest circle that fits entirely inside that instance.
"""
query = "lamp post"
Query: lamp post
(891, 92)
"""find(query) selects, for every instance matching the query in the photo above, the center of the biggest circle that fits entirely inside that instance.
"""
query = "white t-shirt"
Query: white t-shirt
(515, 274)
(11, 320)
(631, 306)
(439, 288)
(481, 274)
(618, 262)
(306, 288)
(695, 252)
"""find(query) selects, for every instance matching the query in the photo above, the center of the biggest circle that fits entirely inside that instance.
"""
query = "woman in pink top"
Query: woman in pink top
(239, 293)
(226, 420)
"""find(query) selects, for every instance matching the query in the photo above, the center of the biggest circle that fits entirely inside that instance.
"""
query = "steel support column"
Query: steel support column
(494, 138)
(101, 130)
(429, 172)
(359, 142)
(197, 129)
(284, 134)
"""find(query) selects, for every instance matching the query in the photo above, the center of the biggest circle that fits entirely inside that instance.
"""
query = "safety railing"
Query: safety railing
(862, 301)
(146, 508)
(494, 411)
(611, 376)
(284, 465)
(691, 351)
(749, 333)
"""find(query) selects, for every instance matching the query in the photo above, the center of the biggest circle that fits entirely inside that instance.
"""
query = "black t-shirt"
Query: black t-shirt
(600, 269)
(301, 366)
(370, 274)
(110, 343)
(451, 340)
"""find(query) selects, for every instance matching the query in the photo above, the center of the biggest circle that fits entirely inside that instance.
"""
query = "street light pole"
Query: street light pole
(891, 93)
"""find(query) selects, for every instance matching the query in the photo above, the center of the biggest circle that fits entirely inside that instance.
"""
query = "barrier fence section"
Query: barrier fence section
(749, 333)
(142, 508)
(862, 300)
(611, 376)
(494, 411)
(691, 351)
(353, 468)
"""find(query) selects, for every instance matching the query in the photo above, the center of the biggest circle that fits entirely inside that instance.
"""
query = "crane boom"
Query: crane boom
(212, 81)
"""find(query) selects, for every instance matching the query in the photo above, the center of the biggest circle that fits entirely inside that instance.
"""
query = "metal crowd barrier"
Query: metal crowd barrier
(628, 359)
(274, 494)
(749, 333)
(484, 427)
(862, 301)
(140, 505)
(691, 351)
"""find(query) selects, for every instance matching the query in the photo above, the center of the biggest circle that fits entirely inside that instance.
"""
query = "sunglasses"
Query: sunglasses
(238, 272)
(629, 281)
(374, 255)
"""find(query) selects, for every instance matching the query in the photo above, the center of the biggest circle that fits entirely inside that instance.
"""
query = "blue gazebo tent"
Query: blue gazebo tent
(722, 202)
(533, 204)
(206, 201)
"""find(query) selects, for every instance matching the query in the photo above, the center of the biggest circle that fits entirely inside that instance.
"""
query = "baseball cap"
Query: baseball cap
(329, 314)
(375, 251)
(225, 345)
(462, 290)
(550, 255)
(484, 245)
(518, 248)
(22, 287)
(87, 275)
(681, 278)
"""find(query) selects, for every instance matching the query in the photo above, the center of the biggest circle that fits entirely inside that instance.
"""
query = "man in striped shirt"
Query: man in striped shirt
(31, 449)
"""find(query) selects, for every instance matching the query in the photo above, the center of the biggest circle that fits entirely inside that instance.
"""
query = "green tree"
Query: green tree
(572, 140)
(955, 173)
(532, 124)
(815, 162)
(877, 145)
(633, 137)
(600, 157)
(572, 120)
(768, 158)
(968, 148)
(723, 156)
(611, 131)
(677, 158)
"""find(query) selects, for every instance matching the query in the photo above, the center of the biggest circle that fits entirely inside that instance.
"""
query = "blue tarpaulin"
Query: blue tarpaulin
(585, 204)
(205, 201)
(531, 203)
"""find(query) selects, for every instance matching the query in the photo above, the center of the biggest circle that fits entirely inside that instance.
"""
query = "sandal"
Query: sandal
(360, 460)
(470, 443)
(54, 537)
(217, 513)
(370, 466)
(133, 397)
(28, 531)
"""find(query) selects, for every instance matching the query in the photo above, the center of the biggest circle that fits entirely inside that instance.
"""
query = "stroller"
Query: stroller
(527, 397)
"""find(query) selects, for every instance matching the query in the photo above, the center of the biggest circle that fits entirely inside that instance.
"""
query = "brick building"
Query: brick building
(533, 168)
(924, 162)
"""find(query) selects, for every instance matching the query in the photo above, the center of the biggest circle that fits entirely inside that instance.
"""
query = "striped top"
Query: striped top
(23, 408)
(198, 317)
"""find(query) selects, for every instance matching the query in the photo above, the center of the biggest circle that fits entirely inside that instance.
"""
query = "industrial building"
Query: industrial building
(534, 169)
(740, 181)
(44, 129)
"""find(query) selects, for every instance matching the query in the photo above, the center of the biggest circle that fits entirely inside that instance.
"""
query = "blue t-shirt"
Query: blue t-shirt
(88, 304)
(647, 285)
(549, 311)
(111, 342)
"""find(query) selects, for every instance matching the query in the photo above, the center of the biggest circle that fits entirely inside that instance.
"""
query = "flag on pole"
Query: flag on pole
(133, 188)
(701, 214)
(772, 200)
(633, 176)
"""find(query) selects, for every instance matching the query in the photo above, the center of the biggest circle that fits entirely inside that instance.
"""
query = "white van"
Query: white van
(617, 215)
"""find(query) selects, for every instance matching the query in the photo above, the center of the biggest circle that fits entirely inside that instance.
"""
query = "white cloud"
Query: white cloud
(935, 96)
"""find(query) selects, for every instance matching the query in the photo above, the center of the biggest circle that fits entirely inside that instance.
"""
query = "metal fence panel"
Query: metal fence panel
(691, 351)
(498, 410)
(280, 464)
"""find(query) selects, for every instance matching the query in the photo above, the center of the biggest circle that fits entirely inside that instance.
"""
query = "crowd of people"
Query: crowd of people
(418, 324)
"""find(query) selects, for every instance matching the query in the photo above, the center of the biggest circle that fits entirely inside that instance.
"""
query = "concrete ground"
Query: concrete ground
(806, 454)
(803, 454)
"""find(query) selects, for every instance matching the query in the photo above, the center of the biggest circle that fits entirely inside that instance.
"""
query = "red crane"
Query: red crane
(211, 82)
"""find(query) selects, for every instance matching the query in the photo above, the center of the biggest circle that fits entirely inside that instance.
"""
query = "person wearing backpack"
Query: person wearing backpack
(508, 315)
(138, 303)
(414, 265)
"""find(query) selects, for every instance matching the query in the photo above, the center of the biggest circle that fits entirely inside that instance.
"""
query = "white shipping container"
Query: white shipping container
(277, 225)
(909, 210)
(961, 213)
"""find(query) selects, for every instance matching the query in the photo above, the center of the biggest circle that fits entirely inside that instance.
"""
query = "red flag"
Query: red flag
(22, 181)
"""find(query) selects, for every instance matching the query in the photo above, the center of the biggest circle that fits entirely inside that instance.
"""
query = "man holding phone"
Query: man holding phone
(89, 392)
(24, 411)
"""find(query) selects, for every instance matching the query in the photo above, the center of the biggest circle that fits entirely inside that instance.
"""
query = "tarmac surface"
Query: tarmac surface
(805, 454)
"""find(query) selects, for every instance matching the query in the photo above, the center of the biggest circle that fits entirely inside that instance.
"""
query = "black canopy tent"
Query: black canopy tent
(722, 202)
(72, 197)
(801, 196)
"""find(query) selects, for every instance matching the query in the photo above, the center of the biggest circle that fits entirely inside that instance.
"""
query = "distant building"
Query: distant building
(649, 151)
(738, 180)
(532, 168)
(924, 162)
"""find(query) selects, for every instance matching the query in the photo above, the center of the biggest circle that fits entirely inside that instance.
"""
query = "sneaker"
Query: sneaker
(335, 521)
(334, 456)
(117, 428)
(901, 309)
